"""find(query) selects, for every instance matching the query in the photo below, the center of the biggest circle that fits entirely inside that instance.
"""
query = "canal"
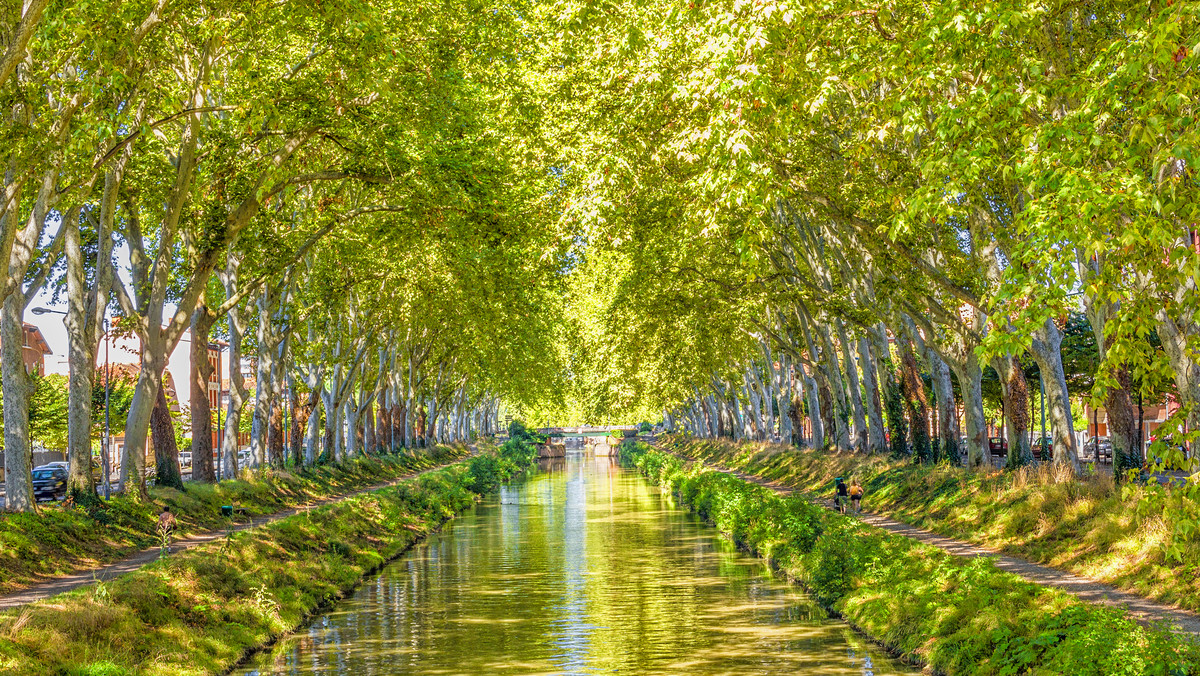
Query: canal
(584, 568)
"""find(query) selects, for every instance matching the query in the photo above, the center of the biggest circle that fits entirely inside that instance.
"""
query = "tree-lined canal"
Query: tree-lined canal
(583, 568)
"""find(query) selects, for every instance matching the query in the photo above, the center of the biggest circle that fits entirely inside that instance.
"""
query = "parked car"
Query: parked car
(1042, 448)
(49, 482)
(1098, 449)
(245, 459)
(998, 445)
(185, 459)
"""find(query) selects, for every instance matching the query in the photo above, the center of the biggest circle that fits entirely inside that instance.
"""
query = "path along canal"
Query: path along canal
(583, 568)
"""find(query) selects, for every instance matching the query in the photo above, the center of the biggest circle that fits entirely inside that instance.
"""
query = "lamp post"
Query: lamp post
(220, 428)
(104, 459)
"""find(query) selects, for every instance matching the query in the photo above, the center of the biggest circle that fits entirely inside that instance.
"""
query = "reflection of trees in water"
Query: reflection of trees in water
(581, 567)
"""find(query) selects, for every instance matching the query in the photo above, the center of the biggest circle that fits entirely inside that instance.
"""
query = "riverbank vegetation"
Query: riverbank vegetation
(62, 538)
(203, 610)
(1086, 524)
(959, 616)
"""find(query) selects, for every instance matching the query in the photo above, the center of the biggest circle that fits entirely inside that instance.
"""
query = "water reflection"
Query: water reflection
(583, 569)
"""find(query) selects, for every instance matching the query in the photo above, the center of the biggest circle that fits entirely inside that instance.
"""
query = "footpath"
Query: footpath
(1144, 610)
(80, 578)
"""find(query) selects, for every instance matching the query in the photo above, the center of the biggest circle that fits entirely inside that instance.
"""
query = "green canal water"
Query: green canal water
(582, 569)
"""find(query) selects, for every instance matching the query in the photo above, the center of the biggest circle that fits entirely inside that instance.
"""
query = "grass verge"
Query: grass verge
(959, 616)
(59, 540)
(204, 610)
(1084, 524)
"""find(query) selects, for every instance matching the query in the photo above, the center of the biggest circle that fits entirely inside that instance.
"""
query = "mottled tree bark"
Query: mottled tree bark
(295, 425)
(18, 456)
(860, 440)
(1046, 349)
(915, 400)
(275, 438)
(1122, 426)
(1015, 394)
(872, 401)
(166, 451)
(200, 371)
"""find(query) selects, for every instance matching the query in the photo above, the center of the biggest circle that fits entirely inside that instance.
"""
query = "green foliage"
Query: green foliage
(48, 411)
(516, 455)
(961, 616)
(119, 400)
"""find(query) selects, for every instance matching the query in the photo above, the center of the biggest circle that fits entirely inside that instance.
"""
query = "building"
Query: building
(1153, 415)
(35, 349)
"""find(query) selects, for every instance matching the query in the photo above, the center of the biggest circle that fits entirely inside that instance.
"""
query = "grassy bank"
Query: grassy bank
(59, 540)
(959, 616)
(1085, 524)
(203, 610)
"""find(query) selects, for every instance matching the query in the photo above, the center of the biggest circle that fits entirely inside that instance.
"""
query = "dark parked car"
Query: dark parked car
(1043, 448)
(49, 482)
(998, 445)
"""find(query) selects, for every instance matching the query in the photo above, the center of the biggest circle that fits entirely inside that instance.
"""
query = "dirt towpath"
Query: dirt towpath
(1140, 608)
(45, 590)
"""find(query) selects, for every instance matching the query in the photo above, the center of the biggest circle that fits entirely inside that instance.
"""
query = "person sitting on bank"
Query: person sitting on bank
(842, 492)
(856, 493)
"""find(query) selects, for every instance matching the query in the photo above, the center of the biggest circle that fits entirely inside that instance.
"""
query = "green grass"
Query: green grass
(203, 610)
(1082, 524)
(959, 616)
(59, 540)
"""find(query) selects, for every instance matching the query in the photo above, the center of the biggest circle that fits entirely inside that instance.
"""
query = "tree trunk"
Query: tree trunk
(835, 384)
(1122, 426)
(18, 456)
(86, 305)
(915, 399)
(368, 436)
(350, 411)
(384, 425)
(260, 418)
(80, 483)
(312, 431)
(201, 409)
(330, 425)
(947, 416)
(1047, 352)
(137, 424)
(859, 443)
(970, 383)
(295, 424)
(893, 400)
(166, 451)
(815, 416)
(875, 439)
(1015, 394)
(397, 424)
(237, 385)
(275, 438)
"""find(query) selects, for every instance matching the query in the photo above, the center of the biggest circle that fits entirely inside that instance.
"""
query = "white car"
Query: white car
(245, 459)
(185, 459)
